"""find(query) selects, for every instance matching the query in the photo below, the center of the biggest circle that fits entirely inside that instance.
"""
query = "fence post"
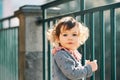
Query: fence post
(30, 40)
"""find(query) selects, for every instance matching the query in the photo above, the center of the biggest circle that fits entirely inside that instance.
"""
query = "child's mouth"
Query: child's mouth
(70, 43)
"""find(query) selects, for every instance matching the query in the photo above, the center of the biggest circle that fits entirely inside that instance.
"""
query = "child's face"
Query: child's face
(70, 38)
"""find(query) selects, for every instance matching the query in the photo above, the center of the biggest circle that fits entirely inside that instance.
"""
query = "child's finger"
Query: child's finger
(87, 60)
(95, 61)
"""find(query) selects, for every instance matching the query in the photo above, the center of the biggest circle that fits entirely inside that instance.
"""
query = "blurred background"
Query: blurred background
(8, 7)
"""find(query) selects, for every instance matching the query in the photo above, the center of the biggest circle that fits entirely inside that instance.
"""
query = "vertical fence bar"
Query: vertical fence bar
(4, 43)
(12, 67)
(82, 7)
(9, 55)
(92, 49)
(44, 46)
(49, 58)
(113, 44)
(102, 54)
(12, 41)
(0, 51)
(16, 51)
(4, 51)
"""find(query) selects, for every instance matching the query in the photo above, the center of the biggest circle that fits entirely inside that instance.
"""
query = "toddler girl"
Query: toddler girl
(67, 35)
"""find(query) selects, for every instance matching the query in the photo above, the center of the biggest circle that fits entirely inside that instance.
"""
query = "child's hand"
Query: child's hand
(87, 61)
(93, 64)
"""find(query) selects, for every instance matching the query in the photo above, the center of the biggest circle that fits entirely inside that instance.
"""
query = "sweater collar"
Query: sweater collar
(74, 53)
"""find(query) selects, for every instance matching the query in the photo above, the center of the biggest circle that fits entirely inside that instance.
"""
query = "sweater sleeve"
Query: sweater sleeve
(69, 67)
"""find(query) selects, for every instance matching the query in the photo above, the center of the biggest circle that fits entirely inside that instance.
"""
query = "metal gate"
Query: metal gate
(102, 43)
(8, 50)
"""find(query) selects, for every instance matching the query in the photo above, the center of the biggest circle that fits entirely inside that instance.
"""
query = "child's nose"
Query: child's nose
(70, 37)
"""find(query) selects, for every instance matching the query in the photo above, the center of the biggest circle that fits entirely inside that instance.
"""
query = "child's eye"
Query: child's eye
(74, 34)
(64, 34)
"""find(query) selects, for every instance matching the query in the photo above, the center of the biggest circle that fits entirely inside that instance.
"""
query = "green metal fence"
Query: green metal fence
(8, 50)
(102, 43)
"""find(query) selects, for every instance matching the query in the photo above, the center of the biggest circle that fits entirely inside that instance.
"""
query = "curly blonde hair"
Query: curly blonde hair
(67, 23)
